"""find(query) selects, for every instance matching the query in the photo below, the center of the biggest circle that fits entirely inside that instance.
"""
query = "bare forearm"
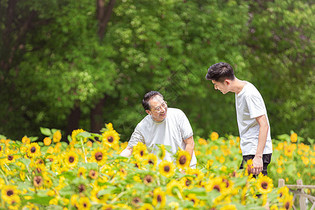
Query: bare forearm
(127, 152)
(262, 138)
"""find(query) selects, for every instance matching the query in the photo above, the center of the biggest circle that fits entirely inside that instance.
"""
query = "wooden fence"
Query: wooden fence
(299, 193)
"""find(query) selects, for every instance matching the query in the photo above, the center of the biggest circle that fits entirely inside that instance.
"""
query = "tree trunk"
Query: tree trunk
(73, 120)
(103, 15)
(96, 116)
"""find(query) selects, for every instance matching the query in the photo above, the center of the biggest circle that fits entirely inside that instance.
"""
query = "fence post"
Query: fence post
(302, 198)
(281, 183)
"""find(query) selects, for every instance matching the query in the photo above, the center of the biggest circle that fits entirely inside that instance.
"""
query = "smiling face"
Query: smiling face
(158, 108)
(221, 86)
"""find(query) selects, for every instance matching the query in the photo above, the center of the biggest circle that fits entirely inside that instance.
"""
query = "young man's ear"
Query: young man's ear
(227, 81)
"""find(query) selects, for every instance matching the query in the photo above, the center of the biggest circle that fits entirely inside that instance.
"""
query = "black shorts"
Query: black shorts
(266, 160)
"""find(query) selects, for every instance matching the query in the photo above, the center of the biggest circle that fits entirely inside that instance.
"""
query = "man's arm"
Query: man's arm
(127, 152)
(262, 138)
(190, 145)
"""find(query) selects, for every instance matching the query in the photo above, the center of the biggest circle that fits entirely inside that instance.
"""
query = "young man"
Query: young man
(252, 119)
(162, 125)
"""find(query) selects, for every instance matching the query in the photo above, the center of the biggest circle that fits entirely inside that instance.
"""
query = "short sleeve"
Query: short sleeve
(184, 126)
(135, 138)
(256, 106)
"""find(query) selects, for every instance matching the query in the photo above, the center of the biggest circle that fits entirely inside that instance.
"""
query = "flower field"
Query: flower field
(88, 173)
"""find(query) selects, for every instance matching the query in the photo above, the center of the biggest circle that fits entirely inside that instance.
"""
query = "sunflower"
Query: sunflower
(216, 184)
(93, 174)
(57, 136)
(294, 137)
(14, 203)
(84, 203)
(193, 198)
(159, 197)
(140, 151)
(167, 168)
(98, 156)
(264, 184)
(214, 136)
(74, 134)
(9, 193)
(26, 140)
(151, 160)
(283, 192)
(110, 138)
(187, 182)
(71, 159)
(74, 200)
(229, 207)
(47, 141)
(174, 188)
(198, 174)
(33, 150)
(136, 201)
(146, 206)
(183, 159)
(81, 172)
(288, 202)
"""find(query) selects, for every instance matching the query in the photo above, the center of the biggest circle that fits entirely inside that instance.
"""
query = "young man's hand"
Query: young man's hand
(257, 165)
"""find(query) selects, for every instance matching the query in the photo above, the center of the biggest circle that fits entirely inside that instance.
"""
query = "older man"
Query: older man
(162, 125)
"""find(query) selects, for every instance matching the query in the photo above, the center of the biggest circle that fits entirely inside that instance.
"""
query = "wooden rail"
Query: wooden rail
(299, 192)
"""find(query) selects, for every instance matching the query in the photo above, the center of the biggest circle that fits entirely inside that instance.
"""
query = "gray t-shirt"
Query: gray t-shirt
(172, 131)
(250, 105)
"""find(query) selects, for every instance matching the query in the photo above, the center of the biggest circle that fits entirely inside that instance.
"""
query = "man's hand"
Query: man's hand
(257, 165)
(127, 152)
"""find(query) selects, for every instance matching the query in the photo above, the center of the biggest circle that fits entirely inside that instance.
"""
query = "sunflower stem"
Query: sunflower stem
(4, 176)
(83, 150)
(118, 196)
(7, 166)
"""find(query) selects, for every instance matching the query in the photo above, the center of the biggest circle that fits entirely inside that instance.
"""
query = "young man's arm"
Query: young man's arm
(190, 145)
(262, 138)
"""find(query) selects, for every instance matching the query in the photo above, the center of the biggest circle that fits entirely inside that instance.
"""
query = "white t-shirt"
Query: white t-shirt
(250, 105)
(172, 131)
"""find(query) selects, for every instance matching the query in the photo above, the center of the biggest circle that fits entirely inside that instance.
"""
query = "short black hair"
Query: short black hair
(220, 71)
(147, 97)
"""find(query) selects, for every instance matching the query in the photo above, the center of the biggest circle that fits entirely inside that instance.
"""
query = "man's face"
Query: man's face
(158, 108)
(221, 86)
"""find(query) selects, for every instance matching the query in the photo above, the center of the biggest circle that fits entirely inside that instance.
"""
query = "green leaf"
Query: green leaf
(43, 200)
(45, 131)
(84, 135)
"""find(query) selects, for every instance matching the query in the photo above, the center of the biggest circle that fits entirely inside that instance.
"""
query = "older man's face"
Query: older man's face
(158, 108)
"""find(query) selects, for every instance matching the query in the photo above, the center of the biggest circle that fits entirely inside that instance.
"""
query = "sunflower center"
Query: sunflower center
(227, 184)
(148, 179)
(192, 200)
(99, 156)
(188, 182)
(10, 157)
(71, 159)
(182, 160)
(9, 192)
(33, 149)
(166, 168)
(81, 188)
(217, 187)
(151, 162)
(136, 200)
(141, 153)
(264, 185)
(159, 198)
(85, 205)
(38, 180)
(287, 205)
(110, 139)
